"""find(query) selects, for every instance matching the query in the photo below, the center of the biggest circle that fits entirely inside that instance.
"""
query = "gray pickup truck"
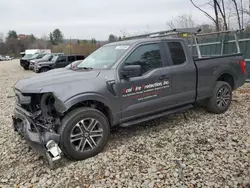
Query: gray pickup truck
(71, 110)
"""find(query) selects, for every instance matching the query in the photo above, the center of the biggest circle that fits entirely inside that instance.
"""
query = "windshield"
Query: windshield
(54, 58)
(46, 57)
(104, 57)
(34, 56)
(28, 56)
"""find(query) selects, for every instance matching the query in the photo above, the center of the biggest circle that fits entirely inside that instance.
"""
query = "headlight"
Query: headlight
(21, 99)
(17, 99)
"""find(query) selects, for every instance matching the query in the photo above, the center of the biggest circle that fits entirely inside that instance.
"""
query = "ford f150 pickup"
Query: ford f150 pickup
(70, 111)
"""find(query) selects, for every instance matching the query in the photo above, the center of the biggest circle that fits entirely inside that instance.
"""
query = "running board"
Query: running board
(154, 116)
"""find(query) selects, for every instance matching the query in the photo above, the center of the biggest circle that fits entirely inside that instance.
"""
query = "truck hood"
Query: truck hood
(38, 60)
(28, 58)
(55, 77)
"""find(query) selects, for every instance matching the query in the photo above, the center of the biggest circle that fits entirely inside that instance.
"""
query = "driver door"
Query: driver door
(141, 95)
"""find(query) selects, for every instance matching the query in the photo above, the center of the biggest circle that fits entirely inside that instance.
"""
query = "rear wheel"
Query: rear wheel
(221, 98)
(84, 133)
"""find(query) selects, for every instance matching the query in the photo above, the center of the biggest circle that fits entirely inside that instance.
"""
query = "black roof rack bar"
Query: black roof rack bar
(194, 30)
(220, 32)
(147, 34)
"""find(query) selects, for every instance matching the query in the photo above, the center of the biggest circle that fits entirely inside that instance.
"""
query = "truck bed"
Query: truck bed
(211, 68)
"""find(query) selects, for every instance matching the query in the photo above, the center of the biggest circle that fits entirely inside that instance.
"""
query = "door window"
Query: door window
(61, 59)
(148, 56)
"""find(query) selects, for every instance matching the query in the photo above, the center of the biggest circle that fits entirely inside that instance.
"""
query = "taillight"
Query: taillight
(243, 66)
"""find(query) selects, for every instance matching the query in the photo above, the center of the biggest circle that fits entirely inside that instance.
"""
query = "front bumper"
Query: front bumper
(31, 67)
(36, 69)
(35, 135)
(24, 63)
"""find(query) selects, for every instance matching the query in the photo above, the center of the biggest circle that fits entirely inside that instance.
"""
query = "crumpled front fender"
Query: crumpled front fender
(64, 106)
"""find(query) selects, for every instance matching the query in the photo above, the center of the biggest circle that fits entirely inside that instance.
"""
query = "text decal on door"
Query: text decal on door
(145, 91)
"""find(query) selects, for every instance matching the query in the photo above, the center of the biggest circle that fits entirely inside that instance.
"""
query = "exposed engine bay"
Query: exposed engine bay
(39, 120)
(44, 112)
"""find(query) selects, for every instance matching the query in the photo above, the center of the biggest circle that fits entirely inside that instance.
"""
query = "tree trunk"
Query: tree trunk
(237, 11)
(223, 13)
(224, 17)
(216, 16)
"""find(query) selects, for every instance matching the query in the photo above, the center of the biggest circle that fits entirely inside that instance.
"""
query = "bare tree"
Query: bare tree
(1, 37)
(215, 20)
(182, 21)
(125, 33)
(222, 10)
(237, 12)
(216, 15)
(242, 14)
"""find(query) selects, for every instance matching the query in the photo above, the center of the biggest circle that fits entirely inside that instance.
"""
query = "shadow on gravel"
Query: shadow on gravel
(123, 134)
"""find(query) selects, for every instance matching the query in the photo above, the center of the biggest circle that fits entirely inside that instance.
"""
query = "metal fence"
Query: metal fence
(217, 45)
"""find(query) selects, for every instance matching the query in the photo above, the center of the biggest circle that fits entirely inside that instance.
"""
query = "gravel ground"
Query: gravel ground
(190, 149)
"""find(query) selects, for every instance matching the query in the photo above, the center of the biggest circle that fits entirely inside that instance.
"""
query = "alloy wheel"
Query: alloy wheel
(86, 135)
(223, 97)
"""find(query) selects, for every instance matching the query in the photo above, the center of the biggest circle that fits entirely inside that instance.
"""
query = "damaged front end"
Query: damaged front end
(36, 118)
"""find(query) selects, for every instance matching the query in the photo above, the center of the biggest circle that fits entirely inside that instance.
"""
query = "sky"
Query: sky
(94, 18)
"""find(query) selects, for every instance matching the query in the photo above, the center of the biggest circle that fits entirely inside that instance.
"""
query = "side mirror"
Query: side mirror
(129, 71)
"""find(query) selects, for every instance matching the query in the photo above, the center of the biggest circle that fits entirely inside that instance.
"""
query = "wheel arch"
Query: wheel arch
(90, 100)
(227, 77)
(47, 67)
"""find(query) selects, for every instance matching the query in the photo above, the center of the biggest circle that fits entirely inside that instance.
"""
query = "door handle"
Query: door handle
(162, 77)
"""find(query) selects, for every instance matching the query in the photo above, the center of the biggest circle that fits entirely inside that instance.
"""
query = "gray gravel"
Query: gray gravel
(190, 149)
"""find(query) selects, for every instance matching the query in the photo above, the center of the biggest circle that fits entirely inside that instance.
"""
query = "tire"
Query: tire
(221, 98)
(45, 69)
(71, 123)
(26, 68)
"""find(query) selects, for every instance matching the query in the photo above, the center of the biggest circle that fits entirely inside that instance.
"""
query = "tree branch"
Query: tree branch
(208, 15)
(222, 12)
(237, 11)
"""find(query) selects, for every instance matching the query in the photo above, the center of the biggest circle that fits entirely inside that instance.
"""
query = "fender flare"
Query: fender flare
(85, 97)
(46, 66)
(220, 72)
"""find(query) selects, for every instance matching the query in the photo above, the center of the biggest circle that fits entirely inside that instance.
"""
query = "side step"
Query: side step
(154, 116)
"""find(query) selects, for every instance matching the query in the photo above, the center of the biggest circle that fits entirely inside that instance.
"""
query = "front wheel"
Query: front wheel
(45, 69)
(25, 67)
(221, 98)
(83, 133)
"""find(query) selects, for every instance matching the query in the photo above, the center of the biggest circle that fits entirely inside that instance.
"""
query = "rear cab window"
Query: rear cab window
(71, 58)
(177, 53)
(79, 57)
